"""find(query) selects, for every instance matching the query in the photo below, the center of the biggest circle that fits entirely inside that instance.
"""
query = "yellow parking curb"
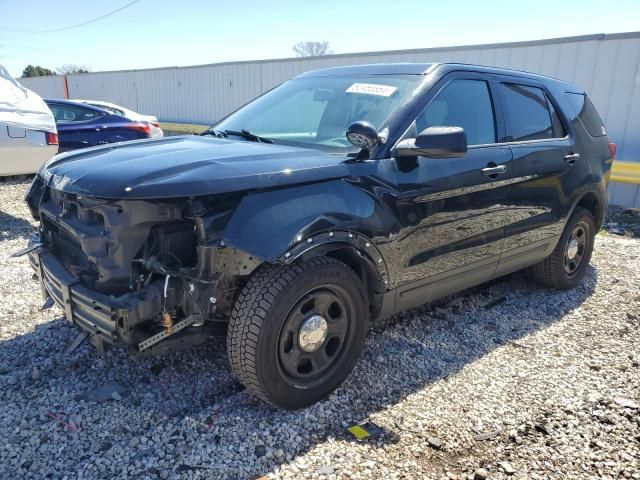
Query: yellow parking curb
(626, 172)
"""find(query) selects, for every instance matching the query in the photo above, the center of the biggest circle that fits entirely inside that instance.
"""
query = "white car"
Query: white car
(156, 131)
(28, 135)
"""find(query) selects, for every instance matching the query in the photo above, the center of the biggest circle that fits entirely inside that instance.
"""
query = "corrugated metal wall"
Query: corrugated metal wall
(606, 66)
(50, 86)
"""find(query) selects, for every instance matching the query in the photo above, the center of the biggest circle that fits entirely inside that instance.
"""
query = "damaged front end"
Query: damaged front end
(152, 274)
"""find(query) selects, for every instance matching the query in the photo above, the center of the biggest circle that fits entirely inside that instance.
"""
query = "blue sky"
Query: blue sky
(156, 33)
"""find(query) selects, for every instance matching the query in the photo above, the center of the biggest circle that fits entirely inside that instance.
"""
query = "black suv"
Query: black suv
(337, 199)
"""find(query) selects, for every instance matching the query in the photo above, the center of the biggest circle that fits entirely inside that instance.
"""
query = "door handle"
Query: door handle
(497, 170)
(571, 158)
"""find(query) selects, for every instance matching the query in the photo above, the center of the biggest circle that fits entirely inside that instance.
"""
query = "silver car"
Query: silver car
(28, 135)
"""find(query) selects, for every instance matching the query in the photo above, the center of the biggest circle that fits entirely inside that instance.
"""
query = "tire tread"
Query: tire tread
(250, 311)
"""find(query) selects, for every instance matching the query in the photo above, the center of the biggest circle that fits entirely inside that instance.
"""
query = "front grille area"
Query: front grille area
(97, 240)
(79, 304)
(112, 318)
(68, 249)
(88, 262)
(68, 229)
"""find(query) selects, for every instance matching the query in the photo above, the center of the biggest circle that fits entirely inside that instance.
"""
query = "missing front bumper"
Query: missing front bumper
(111, 318)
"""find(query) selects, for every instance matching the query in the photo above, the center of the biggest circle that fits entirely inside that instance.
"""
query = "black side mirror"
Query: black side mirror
(363, 135)
(438, 142)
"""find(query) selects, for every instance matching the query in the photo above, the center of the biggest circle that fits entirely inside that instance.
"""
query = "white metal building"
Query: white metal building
(606, 66)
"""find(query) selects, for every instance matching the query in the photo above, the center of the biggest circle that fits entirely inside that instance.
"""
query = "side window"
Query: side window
(115, 111)
(587, 113)
(528, 114)
(556, 123)
(462, 103)
(57, 111)
(110, 109)
(72, 113)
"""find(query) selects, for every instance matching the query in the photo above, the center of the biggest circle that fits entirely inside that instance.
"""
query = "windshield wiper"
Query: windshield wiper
(246, 134)
(215, 133)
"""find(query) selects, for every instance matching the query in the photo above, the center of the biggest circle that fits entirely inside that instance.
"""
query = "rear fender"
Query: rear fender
(593, 201)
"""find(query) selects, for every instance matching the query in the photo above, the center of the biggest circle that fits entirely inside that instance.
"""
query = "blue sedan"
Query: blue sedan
(81, 125)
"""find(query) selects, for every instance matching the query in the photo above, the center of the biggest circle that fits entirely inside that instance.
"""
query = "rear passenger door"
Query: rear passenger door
(544, 161)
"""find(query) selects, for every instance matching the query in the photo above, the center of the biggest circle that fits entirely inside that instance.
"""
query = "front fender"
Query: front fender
(269, 224)
(326, 242)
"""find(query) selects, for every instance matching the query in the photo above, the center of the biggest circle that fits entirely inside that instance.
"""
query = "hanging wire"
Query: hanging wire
(71, 26)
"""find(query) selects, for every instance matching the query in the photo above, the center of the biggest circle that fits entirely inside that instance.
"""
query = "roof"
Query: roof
(421, 69)
(97, 102)
(500, 71)
(63, 101)
(372, 69)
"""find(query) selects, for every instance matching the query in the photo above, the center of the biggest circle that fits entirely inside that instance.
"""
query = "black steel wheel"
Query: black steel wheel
(296, 331)
(575, 248)
(314, 334)
(566, 266)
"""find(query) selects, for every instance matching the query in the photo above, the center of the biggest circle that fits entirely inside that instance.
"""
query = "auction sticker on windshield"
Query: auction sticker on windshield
(372, 89)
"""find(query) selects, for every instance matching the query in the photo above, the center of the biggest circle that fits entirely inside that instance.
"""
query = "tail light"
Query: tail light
(52, 138)
(613, 149)
(141, 127)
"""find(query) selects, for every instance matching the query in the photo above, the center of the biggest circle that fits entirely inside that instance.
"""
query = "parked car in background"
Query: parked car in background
(81, 125)
(156, 131)
(28, 135)
(337, 199)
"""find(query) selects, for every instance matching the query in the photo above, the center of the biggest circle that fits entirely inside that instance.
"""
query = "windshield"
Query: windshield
(316, 111)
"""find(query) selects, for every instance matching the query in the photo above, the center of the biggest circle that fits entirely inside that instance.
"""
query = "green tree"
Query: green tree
(36, 71)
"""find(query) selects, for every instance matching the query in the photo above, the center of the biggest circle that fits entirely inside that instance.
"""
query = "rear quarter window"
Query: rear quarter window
(528, 113)
(110, 109)
(587, 113)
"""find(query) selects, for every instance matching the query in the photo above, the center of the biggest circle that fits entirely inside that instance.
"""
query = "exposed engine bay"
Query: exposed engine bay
(157, 266)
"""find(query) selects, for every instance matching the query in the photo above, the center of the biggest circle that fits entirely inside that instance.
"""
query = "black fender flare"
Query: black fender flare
(601, 200)
(326, 242)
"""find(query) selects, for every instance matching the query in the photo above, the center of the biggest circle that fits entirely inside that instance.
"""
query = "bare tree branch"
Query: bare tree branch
(72, 68)
(312, 49)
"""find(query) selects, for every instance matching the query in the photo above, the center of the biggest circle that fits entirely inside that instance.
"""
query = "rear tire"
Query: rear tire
(296, 331)
(566, 266)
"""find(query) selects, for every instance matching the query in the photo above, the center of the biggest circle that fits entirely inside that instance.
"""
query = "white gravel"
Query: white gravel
(505, 381)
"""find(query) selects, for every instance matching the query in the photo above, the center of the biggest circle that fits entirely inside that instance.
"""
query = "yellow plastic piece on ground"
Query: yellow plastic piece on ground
(358, 432)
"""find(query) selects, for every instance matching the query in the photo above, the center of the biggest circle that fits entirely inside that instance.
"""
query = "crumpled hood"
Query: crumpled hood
(186, 166)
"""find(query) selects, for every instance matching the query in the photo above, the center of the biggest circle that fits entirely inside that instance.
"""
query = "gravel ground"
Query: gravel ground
(623, 221)
(504, 381)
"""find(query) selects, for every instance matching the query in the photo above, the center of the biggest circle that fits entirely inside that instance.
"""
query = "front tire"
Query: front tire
(296, 331)
(566, 266)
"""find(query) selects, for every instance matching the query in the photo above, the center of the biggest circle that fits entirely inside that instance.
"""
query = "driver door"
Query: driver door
(452, 210)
